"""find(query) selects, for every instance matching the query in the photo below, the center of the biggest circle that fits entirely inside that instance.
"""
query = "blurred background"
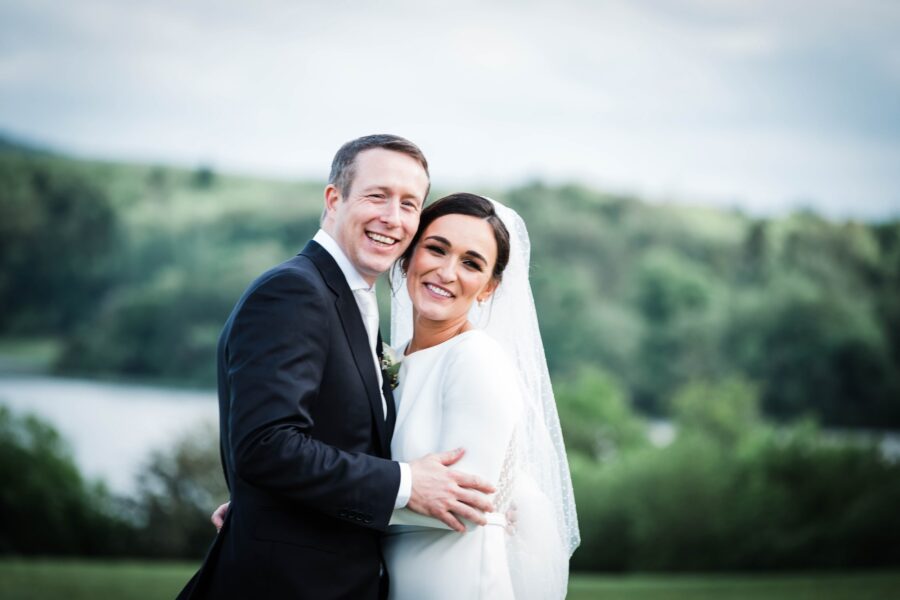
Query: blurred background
(713, 195)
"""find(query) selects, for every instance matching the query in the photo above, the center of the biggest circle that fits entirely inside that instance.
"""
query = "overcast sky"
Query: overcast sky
(769, 105)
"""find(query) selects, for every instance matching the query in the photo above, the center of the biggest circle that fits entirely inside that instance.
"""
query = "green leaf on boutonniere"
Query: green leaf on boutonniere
(390, 367)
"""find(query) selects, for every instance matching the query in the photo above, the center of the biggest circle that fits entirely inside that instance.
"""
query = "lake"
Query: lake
(113, 427)
(110, 427)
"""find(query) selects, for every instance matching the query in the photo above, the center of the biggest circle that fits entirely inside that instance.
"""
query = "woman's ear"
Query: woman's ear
(488, 290)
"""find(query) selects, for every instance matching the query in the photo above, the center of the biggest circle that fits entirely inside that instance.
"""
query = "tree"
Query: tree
(177, 492)
(56, 232)
(45, 505)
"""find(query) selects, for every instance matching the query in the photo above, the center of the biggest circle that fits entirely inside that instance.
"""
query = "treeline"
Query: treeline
(730, 493)
(47, 508)
(135, 268)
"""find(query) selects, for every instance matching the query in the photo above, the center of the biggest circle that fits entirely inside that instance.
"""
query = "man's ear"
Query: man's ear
(332, 197)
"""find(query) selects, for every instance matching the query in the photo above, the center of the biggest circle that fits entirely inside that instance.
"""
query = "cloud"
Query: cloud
(758, 103)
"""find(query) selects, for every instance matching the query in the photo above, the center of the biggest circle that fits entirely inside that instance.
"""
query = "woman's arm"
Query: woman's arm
(479, 400)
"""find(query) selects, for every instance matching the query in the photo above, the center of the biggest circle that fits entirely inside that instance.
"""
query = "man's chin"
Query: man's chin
(378, 267)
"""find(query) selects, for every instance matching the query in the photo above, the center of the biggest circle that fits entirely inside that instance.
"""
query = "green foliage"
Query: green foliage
(57, 229)
(154, 258)
(45, 505)
(178, 490)
(724, 412)
(596, 417)
(733, 493)
(204, 177)
(47, 508)
(827, 356)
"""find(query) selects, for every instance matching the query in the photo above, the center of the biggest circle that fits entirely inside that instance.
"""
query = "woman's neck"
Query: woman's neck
(428, 333)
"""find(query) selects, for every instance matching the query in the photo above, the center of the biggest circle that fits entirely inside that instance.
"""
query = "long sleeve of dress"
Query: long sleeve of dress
(479, 396)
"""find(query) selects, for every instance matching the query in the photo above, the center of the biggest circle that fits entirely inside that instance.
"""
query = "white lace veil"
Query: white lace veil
(511, 319)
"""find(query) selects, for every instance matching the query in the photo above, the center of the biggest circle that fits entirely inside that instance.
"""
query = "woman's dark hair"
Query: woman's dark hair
(464, 204)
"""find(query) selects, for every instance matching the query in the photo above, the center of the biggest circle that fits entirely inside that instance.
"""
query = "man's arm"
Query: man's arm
(275, 358)
(446, 494)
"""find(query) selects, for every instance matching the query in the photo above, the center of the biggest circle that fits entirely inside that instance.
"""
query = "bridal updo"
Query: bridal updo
(470, 205)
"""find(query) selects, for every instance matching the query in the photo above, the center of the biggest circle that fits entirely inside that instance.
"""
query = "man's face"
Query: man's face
(374, 221)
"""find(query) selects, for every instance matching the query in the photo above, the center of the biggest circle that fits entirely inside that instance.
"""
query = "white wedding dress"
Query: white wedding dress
(486, 390)
(461, 393)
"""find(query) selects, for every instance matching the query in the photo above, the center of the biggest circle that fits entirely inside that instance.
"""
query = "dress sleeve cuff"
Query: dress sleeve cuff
(405, 490)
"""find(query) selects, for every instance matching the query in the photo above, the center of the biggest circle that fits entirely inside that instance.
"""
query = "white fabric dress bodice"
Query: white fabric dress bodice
(461, 393)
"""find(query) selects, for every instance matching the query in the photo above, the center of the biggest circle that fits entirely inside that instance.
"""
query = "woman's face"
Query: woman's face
(451, 267)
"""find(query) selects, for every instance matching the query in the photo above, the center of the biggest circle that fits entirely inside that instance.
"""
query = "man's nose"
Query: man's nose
(390, 215)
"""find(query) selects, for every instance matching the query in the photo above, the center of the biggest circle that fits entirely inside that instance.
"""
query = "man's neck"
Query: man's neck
(354, 278)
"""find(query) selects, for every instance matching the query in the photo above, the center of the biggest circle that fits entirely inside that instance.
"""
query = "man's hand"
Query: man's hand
(218, 517)
(448, 495)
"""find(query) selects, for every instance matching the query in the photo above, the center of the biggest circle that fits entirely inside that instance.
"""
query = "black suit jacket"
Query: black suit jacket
(305, 445)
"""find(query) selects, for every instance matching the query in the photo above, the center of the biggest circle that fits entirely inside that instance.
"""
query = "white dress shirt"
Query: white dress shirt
(356, 282)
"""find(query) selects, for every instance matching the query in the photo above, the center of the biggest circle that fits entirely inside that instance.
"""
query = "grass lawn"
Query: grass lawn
(80, 580)
(880, 585)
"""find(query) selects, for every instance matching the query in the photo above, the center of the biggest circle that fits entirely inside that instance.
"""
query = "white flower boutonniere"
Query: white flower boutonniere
(390, 366)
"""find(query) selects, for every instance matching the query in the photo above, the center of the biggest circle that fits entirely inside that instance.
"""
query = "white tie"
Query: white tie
(368, 308)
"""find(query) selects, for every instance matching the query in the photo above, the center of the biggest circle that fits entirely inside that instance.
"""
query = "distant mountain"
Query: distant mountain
(12, 144)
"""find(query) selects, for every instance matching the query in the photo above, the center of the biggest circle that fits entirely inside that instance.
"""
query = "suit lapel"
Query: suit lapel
(354, 331)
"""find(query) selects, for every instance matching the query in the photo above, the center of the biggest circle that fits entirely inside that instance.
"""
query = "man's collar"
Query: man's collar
(354, 279)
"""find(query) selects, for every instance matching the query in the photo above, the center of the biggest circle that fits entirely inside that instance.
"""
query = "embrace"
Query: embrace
(433, 470)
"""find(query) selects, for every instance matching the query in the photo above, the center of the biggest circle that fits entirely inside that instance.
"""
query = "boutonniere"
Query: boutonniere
(390, 366)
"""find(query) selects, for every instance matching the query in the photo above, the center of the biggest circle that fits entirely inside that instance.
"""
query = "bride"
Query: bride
(473, 375)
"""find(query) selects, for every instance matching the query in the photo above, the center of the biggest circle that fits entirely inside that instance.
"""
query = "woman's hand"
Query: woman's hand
(218, 517)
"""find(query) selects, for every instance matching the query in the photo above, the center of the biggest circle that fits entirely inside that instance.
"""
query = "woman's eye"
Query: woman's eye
(472, 264)
(435, 249)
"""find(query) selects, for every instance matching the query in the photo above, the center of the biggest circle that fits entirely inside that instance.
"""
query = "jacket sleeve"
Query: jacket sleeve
(275, 356)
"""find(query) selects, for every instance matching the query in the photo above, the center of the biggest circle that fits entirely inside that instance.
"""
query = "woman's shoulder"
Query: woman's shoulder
(477, 340)
(478, 351)
(478, 367)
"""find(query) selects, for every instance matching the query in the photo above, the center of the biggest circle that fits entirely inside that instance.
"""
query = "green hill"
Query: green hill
(134, 268)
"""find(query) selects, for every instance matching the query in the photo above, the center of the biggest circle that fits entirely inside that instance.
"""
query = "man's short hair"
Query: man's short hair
(343, 167)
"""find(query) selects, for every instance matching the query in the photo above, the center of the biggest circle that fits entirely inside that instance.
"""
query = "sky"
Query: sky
(769, 106)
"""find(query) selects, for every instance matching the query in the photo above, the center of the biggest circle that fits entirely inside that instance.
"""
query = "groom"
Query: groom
(305, 413)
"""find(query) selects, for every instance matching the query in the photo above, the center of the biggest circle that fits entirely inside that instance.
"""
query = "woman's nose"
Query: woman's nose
(447, 270)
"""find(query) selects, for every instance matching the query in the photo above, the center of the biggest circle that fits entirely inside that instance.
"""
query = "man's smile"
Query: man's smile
(381, 238)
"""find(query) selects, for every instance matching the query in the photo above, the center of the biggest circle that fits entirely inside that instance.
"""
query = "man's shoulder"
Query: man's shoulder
(298, 273)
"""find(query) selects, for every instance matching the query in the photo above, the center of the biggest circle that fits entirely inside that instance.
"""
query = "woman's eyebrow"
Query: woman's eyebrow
(477, 255)
(447, 243)
(440, 239)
